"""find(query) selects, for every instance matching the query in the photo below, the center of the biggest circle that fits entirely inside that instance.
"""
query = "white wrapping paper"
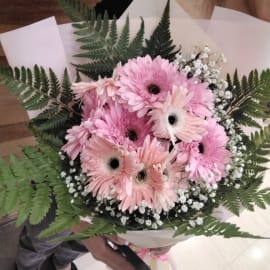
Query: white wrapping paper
(245, 40)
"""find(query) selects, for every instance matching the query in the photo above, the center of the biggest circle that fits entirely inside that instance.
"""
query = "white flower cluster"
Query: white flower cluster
(195, 198)
(75, 182)
(202, 64)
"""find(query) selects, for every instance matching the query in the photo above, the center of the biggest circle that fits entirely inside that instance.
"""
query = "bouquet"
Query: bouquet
(146, 139)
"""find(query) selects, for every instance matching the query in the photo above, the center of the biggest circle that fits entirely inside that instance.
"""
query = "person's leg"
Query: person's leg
(33, 251)
(28, 257)
(66, 253)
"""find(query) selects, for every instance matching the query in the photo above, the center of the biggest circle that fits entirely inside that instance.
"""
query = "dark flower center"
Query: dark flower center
(189, 75)
(201, 148)
(114, 163)
(172, 119)
(141, 176)
(165, 172)
(153, 89)
(212, 86)
(132, 135)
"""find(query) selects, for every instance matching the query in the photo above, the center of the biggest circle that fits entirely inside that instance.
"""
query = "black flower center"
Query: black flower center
(172, 119)
(201, 148)
(189, 75)
(153, 89)
(114, 163)
(212, 86)
(141, 176)
(132, 135)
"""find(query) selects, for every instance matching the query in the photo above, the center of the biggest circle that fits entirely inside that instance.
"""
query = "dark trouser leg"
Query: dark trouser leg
(33, 251)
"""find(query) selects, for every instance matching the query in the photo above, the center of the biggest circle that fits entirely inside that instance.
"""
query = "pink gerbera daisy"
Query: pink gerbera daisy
(147, 180)
(207, 159)
(172, 180)
(122, 127)
(76, 138)
(106, 164)
(172, 120)
(145, 82)
(107, 88)
(92, 103)
(202, 99)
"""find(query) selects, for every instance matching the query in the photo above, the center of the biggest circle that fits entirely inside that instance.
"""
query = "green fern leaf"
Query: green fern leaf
(247, 200)
(97, 227)
(55, 121)
(160, 42)
(113, 36)
(249, 97)
(41, 203)
(265, 193)
(75, 10)
(101, 44)
(66, 96)
(136, 45)
(61, 223)
(25, 204)
(2, 200)
(105, 25)
(212, 227)
(54, 85)
(10, 201)
(123, 41)
(232, 202)
(259, 200)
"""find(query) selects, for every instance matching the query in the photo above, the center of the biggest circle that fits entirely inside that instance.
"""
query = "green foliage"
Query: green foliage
(258, 150)
(250, 97)
(98, 227)
(160, 42)
(21, 193)
(232, 201)
(104, 48)
(75, 10)
(62, 222)
(39, 91)
(211, 227)
(247, 198)
(28, 184)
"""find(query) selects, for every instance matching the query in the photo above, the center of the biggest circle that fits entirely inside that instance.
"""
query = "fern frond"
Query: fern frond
(232, 202)
(250, 97)
(41, 203)
(75, 10)
(66, 94)
(212, 226)
(56, 121)
(103, 47)
(98, 227)
(258, 149)
(136, 45)
(160, 42)
(26, 184)
(54, 85)
(62, 222)
(25, 204)
(38, 90)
